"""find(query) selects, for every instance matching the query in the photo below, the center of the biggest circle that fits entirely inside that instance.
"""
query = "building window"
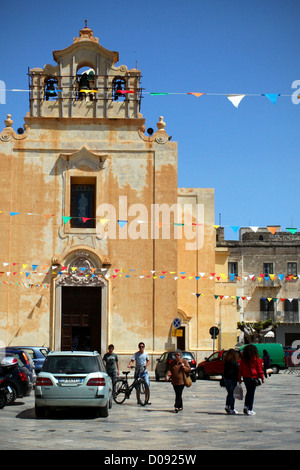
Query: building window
(291, 311)
(83, 202)
(233, 268)
(268, 269)
(292, 269)
(266, 309)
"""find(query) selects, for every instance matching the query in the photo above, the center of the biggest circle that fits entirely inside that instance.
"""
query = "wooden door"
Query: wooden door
(81, 318)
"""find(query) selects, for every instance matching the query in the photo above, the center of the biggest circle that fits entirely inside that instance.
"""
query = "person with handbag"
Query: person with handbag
(177, 371)
(251, 371)
(231, 376)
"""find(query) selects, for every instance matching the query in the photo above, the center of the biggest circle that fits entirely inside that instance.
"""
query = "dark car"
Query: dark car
(38, 355)
(166, 358)
(23, 358)
(18, 378)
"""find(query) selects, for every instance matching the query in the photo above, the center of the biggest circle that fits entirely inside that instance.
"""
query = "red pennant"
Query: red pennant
(84, 219)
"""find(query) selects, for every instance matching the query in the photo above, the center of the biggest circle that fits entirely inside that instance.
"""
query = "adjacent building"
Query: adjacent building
(264, 265)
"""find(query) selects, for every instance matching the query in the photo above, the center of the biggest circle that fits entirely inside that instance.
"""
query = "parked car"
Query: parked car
(23, 358)
(212, 365)
(18, 378)
(276, 353)
(37, 354)
(73, 379)
(167, 357)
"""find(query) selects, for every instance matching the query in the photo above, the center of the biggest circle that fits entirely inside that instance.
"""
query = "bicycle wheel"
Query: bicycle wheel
(144, 392)
(120, 389)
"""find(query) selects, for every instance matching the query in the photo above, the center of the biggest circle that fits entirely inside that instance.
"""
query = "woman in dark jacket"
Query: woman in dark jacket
(231, 376)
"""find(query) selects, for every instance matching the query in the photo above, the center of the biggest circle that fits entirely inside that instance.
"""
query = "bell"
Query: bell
(50, 91)
(84, 82)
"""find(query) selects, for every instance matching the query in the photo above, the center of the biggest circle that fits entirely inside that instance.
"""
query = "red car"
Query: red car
(212, 365)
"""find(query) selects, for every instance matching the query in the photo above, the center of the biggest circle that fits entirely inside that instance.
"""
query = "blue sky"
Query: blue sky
(250, 154)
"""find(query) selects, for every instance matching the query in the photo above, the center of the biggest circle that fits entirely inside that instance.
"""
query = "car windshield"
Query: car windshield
(71, 364)
(185, 355)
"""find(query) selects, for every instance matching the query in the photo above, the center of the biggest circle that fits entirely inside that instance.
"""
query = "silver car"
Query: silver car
(73, 379)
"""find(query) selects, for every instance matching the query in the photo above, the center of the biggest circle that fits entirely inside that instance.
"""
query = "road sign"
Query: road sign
(176, 322)
(214, 331)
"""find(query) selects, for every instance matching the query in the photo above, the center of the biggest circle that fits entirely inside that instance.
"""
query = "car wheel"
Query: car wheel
(201, 374)
(11, 396)
(40, 411)
(275, 369)
(3, 399)
(110, 402)
(103, 411)
(193, 377)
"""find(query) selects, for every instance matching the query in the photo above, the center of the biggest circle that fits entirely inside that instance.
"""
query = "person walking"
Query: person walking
(267, 362)
(142, 361)
(251, 371)
(112, 364)
(231, 377)
(177, 368)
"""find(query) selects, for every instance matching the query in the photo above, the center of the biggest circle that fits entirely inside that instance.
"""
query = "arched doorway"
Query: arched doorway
(81, 306)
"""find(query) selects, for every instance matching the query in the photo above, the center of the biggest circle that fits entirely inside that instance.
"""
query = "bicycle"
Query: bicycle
(123, 390)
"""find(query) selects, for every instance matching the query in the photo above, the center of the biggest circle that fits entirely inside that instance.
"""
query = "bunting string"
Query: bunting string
(234, 98)
(122, 223)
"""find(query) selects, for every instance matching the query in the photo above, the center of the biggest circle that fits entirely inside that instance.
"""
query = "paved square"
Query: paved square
(203, 423)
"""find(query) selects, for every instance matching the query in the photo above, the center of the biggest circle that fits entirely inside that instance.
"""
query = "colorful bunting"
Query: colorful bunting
(235, 99)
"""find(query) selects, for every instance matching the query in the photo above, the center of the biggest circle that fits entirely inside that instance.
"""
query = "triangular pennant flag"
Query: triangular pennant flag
(84, 219)
(235, 228)
(272, 229)
(198, 295)
(281, 276)
(292, 230)
(34, 266)
(272, 96)
(103, 221)
(235, 99)
(66, 219)
(122, 223)
(254, 229)
(14, 213)
(196, 94)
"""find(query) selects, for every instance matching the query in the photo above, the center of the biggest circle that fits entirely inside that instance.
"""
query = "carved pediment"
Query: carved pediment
(84, 160)
(81, 271)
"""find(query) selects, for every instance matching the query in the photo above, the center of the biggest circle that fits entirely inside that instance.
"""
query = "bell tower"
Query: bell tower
(85, 83)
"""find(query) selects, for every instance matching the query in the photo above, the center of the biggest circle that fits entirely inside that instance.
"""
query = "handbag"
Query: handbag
(238, 392)
(255, 379)
(187, 380)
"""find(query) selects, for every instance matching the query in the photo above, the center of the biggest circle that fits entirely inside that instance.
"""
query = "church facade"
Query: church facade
(98, 243)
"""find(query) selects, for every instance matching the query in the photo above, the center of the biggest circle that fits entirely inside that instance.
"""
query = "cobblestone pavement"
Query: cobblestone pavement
(203, 423)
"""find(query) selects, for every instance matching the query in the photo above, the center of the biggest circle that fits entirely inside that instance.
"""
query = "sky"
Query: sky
(249, 154)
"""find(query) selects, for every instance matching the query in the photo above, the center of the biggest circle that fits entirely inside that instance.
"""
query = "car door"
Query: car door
(162, 365)
(212, 363)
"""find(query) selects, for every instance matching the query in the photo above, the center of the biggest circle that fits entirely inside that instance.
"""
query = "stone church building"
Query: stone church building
(98, 243)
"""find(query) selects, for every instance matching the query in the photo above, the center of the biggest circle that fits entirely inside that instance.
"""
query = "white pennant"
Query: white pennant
(254, 229)
(235, 99)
